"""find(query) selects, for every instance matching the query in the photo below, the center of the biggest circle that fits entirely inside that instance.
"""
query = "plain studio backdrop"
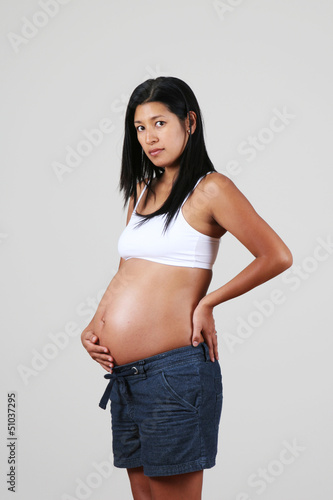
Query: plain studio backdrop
(262, 73)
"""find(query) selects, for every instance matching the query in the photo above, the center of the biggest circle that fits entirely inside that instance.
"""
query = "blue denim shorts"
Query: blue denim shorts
(165, 411)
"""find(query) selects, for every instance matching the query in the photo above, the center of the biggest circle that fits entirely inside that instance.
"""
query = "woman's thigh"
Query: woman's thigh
(179, 487)
(140, 484)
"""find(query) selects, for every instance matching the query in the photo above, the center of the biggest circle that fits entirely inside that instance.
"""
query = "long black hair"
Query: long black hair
(136, 167)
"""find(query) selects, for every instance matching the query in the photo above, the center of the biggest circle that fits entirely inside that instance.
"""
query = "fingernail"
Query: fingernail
(195, 343)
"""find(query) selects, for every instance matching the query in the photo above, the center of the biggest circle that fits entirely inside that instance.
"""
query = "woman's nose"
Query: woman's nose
(150, 136)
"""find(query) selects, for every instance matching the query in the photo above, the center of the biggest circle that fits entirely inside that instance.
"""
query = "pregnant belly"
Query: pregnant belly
(146, 313)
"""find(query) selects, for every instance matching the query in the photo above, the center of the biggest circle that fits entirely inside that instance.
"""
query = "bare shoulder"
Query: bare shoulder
(216, 185)
(224, 197)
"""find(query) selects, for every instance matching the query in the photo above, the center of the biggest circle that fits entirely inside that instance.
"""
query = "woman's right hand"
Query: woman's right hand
(99, 353)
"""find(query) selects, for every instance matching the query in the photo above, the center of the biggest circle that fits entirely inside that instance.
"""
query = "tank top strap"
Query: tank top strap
(144, 189)
(196, 185)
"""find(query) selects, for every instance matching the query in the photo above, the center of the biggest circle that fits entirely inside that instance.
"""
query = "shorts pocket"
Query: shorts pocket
(182, 387)
(219, 400)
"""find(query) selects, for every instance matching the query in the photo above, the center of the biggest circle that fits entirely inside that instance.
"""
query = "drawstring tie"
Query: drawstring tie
(106, 396)
(121, 379)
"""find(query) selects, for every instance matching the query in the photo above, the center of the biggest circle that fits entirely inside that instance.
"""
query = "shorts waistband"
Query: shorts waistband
(172, 356)
(140, 368)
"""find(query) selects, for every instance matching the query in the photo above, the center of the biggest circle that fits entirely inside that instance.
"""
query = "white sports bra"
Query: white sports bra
(180, 245)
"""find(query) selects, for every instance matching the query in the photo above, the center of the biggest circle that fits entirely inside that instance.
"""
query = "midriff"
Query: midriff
(147, 309)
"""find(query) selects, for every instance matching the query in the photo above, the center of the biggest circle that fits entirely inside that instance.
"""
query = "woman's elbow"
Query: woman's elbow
(284, 259)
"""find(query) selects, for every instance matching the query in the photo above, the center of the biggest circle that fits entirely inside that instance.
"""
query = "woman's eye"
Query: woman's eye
(140, 127)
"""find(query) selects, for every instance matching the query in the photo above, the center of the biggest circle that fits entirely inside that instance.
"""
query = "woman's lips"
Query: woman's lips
(155, 152)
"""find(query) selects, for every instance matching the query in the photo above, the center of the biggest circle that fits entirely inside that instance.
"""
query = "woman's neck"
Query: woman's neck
(168, 177)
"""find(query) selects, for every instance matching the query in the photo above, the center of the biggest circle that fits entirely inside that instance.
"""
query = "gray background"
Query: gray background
(58, 233)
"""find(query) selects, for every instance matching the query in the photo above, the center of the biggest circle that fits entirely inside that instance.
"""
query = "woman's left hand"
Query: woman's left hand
(203, 322)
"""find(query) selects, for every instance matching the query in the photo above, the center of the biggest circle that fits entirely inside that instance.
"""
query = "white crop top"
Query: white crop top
(180, 245)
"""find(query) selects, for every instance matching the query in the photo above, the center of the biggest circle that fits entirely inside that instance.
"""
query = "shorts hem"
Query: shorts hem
(128, 464)
(172, 470)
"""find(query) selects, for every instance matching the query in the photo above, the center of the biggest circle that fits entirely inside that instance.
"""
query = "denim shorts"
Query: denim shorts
(165, 411)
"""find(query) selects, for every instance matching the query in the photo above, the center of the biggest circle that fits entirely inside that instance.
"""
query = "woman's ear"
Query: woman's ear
(192, 118)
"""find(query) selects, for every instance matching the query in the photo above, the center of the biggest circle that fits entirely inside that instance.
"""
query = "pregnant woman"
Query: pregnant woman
(154, 330)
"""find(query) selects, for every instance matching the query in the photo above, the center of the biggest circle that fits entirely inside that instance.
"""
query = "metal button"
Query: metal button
(135, 370)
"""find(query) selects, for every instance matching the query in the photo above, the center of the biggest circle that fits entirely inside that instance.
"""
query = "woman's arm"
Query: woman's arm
(232, 211)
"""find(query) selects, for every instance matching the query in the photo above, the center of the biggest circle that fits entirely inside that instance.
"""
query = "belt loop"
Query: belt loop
(206, 351)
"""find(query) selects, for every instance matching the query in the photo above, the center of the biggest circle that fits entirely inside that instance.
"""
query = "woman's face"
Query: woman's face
(159, 129)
